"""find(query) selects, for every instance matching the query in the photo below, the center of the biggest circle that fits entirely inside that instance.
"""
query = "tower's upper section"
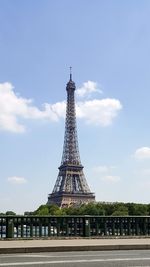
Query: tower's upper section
(70, 85)
(70, 150)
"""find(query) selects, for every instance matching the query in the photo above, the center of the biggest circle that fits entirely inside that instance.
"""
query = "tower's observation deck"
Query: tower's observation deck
(71, 187)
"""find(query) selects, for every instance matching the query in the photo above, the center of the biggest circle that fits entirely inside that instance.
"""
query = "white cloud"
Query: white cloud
(103, 169)
(87, 89)
(142, 172)
(99, 112)
(142, 153)
(146, 172)
(110, 178)
(14, 110)
(105, 173)
(16, 180)
(144, 184)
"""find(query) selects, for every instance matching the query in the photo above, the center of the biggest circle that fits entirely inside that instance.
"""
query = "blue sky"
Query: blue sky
(107, 44)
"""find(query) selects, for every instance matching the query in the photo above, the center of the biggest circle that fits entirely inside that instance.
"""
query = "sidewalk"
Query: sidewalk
(51, 245)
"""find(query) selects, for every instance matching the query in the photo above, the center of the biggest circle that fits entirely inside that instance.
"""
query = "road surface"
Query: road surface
(122, 258)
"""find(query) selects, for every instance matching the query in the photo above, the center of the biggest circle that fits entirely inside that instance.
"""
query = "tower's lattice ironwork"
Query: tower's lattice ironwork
(71, 187)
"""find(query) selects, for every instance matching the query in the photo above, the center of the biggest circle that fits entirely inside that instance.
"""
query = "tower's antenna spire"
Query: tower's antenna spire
(70, 73)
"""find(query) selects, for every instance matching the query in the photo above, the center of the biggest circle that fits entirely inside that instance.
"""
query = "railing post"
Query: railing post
(113, 226)
(145, 232)
(105, 226)
(86, 227)
(9, 228)
(97, 226)
(67, 226)
(121, 226)
(49, 227)
(31, 227)
(137, 230)
(40, 227)
(129, 226)
(75, 226)
(58, 226)
(22, 230)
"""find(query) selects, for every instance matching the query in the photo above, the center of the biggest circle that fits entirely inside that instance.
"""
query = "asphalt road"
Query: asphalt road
(122, 258)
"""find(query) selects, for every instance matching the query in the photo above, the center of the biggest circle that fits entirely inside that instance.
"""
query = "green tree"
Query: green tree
(120, 211)
(60, 212)
(72, 210)
(93, 209)
(109, 208)
(137, 209)
(148, 209)
(42, 210)
(9, 212)
(53, 209)
(48, 210)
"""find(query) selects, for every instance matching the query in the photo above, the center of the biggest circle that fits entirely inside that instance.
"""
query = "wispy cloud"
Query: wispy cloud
(142, 153)
(110, 178)
(146, 172)
(88, 88)
(101, 169)
(17, 180)
(142, 172)
(14, 110)
(106, 173)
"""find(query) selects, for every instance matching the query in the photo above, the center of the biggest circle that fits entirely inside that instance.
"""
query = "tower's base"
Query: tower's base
(63, 199)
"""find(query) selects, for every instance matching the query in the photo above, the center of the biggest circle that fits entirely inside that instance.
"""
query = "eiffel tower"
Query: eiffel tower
(71, 187)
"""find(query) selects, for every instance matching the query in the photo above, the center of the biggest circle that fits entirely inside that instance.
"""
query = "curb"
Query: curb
(73, 248)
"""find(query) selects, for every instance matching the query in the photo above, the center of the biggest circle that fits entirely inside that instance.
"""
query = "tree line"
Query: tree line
(97, 209)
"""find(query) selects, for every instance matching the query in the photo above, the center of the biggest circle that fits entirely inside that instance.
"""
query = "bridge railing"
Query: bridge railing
(73, 226)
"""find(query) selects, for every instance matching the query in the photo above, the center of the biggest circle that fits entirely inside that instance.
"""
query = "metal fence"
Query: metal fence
(72, 226)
